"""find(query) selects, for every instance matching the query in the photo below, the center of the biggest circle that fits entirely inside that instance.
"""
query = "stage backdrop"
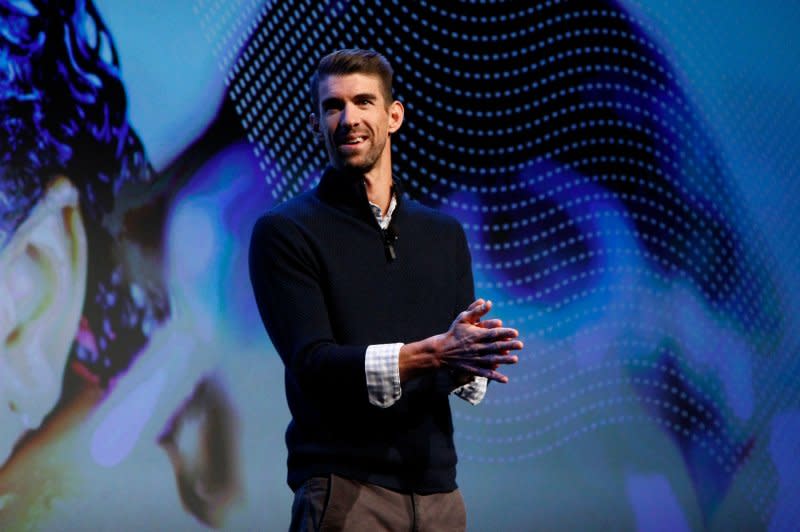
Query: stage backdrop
(626, 173)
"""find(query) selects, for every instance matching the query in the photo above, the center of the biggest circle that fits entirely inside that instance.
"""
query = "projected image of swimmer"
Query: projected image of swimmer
(75, 311)
(81, 283)
(83, 295)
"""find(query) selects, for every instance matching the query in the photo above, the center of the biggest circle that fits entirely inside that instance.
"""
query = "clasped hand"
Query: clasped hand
(472, 347)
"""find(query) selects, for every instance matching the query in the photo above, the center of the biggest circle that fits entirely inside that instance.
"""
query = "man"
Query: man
(355, 285)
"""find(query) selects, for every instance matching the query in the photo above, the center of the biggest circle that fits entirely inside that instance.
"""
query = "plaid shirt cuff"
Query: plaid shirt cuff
(382, 366)
(473, 392)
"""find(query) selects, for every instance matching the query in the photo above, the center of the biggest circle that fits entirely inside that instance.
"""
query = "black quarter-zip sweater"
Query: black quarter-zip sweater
(327, 287)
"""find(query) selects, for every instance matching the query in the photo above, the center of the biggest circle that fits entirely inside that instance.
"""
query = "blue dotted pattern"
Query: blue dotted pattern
(602, 218)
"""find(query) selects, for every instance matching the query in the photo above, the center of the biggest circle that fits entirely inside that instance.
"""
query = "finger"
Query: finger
(493, 361)
(490, 374)
(478, 302)
(474, 313)
(488, 360)
(465, 316)
(488, 343)
(490, 324)
(498, 333)
(495, 334)
(504, 353)
(498, 347)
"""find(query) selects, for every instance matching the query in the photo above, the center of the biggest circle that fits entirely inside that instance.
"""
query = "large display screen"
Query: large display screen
(626, 174)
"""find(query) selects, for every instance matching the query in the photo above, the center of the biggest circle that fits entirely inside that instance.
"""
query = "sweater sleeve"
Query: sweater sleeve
(288, 290)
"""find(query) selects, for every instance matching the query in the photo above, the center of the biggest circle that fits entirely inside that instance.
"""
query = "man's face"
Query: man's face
(355, 121)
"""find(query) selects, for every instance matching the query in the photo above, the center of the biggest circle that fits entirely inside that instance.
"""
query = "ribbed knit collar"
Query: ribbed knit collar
(348, 193)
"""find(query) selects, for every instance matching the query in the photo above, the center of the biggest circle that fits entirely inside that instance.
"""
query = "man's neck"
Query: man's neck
(379, 189)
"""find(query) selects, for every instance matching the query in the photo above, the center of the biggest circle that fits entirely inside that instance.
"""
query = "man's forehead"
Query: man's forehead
(349, 84)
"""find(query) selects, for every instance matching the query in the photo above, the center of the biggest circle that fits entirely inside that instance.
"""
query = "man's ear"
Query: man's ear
(43, 285)
(396, 114)
(313, 126)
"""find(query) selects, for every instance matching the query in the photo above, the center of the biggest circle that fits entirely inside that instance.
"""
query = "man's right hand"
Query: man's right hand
(469, 346)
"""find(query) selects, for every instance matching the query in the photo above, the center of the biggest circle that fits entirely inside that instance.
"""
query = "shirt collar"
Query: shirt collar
(348, 193)
(384, 221)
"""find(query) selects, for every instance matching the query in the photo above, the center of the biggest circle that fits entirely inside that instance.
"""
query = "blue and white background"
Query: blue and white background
(626, 174)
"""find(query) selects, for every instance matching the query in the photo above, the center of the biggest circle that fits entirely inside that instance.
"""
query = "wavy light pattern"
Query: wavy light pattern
(604, 220)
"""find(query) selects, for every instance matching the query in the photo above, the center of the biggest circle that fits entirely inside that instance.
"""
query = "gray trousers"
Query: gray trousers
(339, 504)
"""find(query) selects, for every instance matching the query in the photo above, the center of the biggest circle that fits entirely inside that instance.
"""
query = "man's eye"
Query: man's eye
(331, 105)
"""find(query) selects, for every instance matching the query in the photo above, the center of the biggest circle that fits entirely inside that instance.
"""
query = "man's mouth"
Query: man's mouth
(352, 141)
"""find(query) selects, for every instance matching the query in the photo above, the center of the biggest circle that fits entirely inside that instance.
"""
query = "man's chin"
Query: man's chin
(353, 166)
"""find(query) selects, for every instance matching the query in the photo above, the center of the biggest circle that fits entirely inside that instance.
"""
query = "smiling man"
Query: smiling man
(368, 298)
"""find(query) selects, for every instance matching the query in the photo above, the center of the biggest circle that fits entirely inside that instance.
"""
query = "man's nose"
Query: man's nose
(349, 116)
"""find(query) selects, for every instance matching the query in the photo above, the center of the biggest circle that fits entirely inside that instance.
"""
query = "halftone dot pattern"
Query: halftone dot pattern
(603, 217)
(748, 94)
(227, 26)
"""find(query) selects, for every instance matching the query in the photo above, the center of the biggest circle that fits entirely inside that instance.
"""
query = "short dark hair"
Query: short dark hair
(353, 61)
